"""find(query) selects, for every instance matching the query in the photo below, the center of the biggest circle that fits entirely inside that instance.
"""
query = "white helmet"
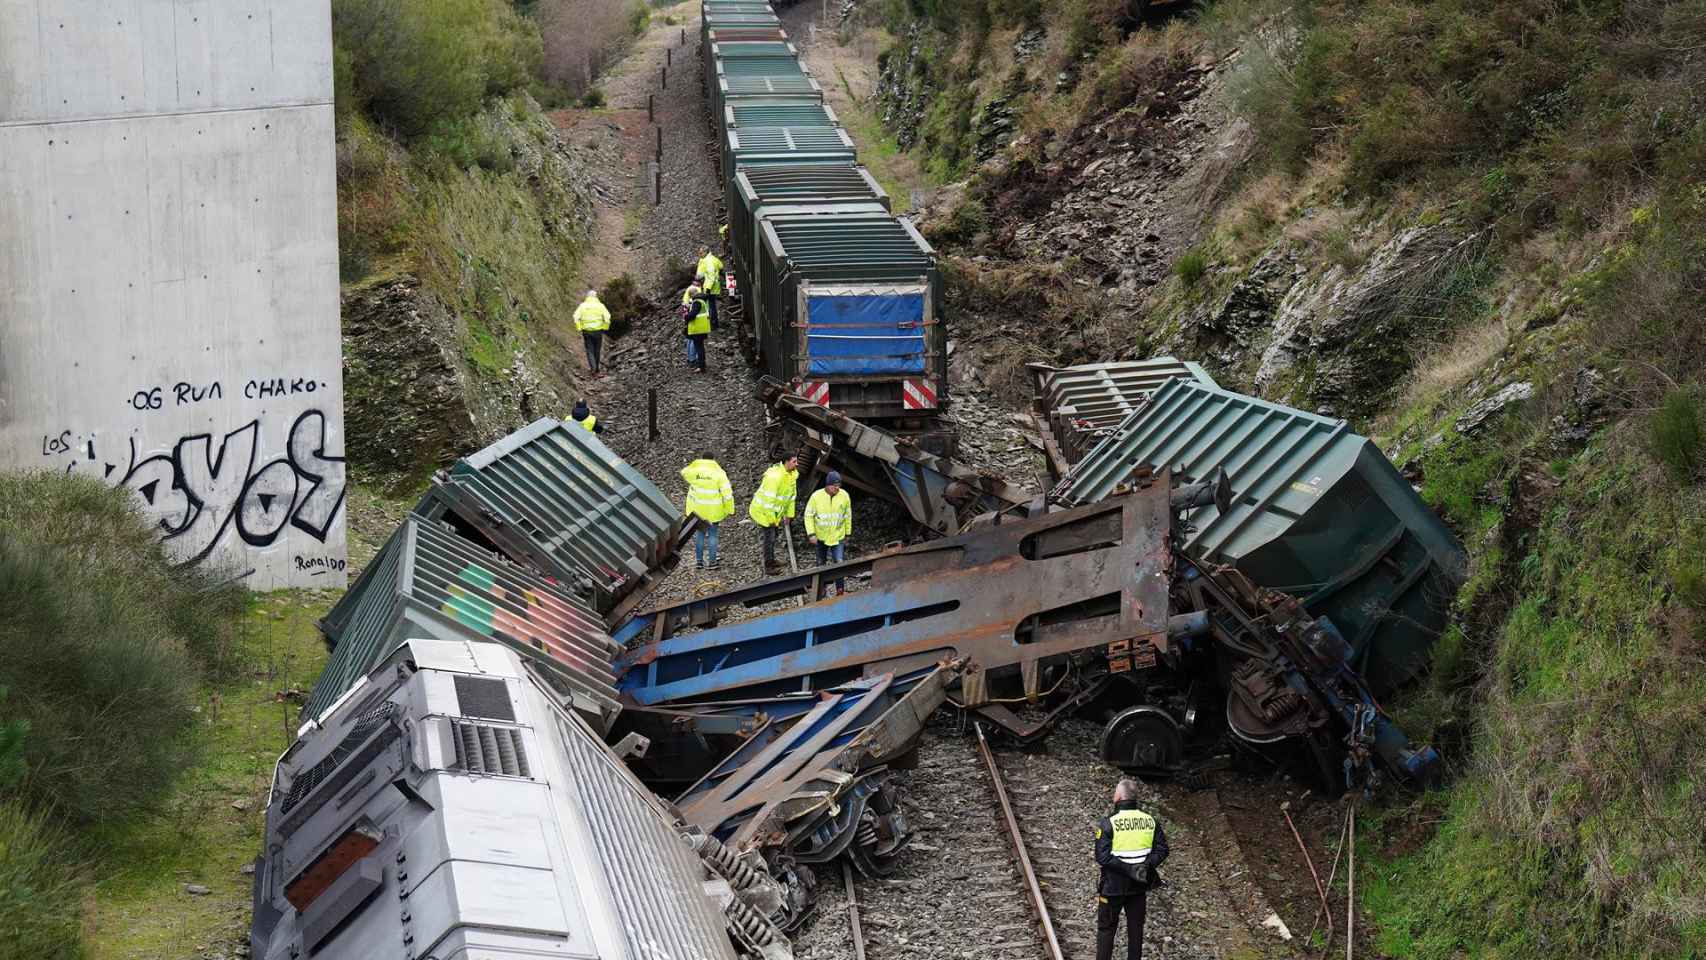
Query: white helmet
(592, 294)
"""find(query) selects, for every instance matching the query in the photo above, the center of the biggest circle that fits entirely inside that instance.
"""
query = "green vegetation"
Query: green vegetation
(41, 886)
(450, 174)
(1190, 266)
(210, 825)
(101, 663)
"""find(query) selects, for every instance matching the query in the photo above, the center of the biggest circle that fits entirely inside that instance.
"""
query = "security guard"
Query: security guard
(709, 498)
(829, 521)
(709, 273)
(1130, 846)
(592, 319)
(773, 504)
(697, 317)
(583, 415)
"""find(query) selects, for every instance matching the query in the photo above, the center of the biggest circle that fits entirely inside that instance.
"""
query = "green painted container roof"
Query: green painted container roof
(1317, 511)
(786, 183)
(732, 18)
(780, 115)
(853, 247)
(429, 583)
(738, 34)
(748, 50)
(761, 67)
(764, 86)
(789, 140)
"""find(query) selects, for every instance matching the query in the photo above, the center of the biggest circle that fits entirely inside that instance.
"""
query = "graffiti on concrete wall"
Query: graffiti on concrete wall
(204, 489)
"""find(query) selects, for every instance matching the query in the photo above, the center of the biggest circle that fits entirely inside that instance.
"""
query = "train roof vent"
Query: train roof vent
(365, 726)
(488, 749)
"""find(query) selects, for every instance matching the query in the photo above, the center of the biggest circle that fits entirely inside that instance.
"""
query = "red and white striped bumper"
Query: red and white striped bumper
(917, 394)
(817, 391)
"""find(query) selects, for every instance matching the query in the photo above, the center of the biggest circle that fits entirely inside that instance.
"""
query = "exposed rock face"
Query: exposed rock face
(414, 400)
(1342, 340)
(903, 88)
(1228, 333)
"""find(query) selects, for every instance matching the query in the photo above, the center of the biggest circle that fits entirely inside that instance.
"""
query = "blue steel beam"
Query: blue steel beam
(1006, 598)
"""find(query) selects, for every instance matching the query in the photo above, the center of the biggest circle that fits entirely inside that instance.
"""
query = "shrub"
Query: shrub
(1191, 266)
(417, 63)
(1678, 434)
(593, 98)
(102, 654)
(621, 296)
(41, 888)
(583, 37)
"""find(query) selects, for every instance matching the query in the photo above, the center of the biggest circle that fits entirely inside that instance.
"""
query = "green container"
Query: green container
(717, 52)
(429, 583)
(759, 192)
(1318, 512)
(812, 266)
(780, 113)
(758, 146)
(767, 78)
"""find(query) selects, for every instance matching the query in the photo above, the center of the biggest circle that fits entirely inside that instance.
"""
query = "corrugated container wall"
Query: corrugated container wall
(553, 497)
(758, 193)
(428, 583)
(1082, 404)
(1318, 512)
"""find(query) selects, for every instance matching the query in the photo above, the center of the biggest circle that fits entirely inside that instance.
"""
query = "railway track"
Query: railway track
(962, 891)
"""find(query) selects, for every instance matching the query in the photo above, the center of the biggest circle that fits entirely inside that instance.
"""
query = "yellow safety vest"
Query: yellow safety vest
(592, 316)
(829, 519)
(590, 421)
(700, 322)
(709, 496)
(1134, 835)
(711, 268)
(775, 497)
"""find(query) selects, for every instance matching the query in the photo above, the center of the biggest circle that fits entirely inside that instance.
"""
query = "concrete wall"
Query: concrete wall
(168, 269)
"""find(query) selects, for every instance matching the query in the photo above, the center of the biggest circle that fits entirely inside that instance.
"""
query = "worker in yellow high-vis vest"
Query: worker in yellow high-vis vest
(829, 521)
(592, 319)
(1130, 846)
(697, 316)
(710, 498)
(583, 415)
(709, 274)
(773, 505)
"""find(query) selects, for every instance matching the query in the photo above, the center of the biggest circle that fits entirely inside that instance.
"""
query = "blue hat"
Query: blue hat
(833, 480)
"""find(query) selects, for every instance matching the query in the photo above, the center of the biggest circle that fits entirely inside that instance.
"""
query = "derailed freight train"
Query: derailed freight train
(839, 299)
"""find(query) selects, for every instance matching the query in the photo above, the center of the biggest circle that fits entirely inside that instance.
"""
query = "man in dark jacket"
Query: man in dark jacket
(1130, 846)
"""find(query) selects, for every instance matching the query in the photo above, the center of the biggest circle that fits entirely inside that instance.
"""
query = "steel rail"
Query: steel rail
(1023, 857)
(853, 912)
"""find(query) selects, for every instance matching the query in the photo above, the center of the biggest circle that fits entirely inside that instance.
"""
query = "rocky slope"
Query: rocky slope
(459, 338)
(1470, 229)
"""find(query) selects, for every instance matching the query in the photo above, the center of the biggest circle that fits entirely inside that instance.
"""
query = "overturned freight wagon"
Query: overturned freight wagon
(428, 583)
(848, 309)
(1317, 511)
(1079, 405)
(553, 497)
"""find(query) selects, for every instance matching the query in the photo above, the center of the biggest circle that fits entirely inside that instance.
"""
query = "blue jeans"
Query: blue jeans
(829, 554)
(706, 532)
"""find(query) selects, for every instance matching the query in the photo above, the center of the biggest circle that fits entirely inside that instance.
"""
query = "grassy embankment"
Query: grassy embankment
(1570, 693)
(451, 177)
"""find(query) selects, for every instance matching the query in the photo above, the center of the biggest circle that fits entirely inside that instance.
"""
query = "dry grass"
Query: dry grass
(584, 37)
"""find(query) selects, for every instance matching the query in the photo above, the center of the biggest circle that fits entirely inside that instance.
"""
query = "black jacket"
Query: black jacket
(1119, 878)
